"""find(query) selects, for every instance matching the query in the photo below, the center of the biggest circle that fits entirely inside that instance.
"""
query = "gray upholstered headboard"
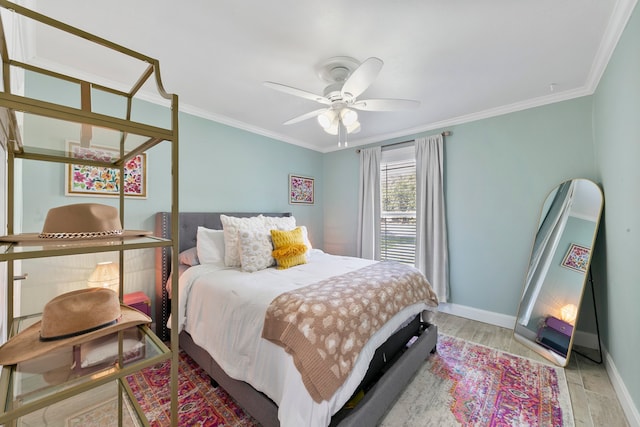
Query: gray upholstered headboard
(188, 227)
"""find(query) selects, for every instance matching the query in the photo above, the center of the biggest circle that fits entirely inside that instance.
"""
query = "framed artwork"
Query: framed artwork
(576, 258)
(300, 190)
(83, 180)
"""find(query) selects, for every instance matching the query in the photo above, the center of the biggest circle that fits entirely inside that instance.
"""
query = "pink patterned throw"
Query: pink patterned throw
(325, 325)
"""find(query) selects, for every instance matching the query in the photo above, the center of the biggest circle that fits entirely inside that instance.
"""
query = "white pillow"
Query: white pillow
(255, 248)
(231, 226)
(305, 237)
(284, 223)
(189, 257)
(210, 245)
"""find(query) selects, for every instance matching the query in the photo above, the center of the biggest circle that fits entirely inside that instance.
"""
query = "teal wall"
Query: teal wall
(616, 124)
(498, 172)
(221, 168)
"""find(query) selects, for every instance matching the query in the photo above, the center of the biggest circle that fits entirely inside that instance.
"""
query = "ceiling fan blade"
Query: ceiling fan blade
(305, 116)
(362, 77)
(298, 92)
(385, 104)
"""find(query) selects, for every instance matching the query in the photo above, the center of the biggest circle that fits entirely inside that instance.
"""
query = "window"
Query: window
(398, 210)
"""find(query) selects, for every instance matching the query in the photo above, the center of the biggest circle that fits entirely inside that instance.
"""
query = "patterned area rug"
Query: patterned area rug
(199, 404)
(466, 384)
(102, 414)
(463, 384)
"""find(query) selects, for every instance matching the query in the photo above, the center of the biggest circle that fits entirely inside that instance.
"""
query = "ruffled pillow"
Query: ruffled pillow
(231, 226)
(255, 249)
(289, 248)
(279, 222)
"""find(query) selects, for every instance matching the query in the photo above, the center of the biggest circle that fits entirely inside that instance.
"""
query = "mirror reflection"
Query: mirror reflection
(558, 269)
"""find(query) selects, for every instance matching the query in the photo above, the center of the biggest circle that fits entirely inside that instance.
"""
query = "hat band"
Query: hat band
(75, 334)
(83, 235)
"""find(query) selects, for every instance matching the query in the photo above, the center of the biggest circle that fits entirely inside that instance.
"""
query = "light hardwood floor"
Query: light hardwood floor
(592, 396)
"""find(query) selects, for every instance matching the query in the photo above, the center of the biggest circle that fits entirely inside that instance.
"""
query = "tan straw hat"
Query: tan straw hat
(69, 319)
(82, 221)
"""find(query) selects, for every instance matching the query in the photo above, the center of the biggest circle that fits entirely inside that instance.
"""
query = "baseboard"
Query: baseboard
(629, 408)
(485, 316)
(585, 339)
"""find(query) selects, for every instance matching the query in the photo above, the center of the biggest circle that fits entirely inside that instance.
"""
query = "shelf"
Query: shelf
(106, 131)
(58, 375)
(94, 117)
(98, 406)
(28, 251)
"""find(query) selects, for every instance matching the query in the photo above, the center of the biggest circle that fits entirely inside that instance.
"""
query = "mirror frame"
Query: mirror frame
(521, 333)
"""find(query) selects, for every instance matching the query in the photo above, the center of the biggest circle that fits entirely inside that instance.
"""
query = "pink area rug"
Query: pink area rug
(493, 388)
(470, 385)
(199, 404)
(463, 384)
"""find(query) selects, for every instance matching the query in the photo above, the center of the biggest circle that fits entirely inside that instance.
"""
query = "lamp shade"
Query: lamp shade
(348, 117)
(353, 127)
(568, 313)
(105, 275)
(327, 119)
(333, 129)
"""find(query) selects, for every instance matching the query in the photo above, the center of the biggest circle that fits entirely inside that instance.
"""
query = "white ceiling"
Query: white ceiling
(463, 59)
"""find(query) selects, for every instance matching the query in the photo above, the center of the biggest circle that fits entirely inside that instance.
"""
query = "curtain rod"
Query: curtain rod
(445, 133)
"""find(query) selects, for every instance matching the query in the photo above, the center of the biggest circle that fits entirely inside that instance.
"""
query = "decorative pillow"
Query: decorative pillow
(210, 245)
(289, 248)
(181, 269)
(189, 257)
(279, 222)
(255, 248)
(231, 226)
(305, 237)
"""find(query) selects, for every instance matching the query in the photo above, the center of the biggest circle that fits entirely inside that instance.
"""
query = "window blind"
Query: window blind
(398, 213)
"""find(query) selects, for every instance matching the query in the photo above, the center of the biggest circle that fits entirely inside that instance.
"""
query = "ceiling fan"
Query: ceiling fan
(348, 79)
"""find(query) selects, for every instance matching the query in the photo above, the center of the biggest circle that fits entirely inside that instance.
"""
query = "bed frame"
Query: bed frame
(394, 363)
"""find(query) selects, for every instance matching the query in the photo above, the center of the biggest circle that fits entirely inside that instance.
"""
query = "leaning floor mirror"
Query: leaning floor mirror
(558, 269)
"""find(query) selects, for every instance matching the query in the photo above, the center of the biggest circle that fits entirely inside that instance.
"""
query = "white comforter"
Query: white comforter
(224, 308)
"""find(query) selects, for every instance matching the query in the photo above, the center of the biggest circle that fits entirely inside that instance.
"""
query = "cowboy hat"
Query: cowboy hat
(69, 319)
(82, 221)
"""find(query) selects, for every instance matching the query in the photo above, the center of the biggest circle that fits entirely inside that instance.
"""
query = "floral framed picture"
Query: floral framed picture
(577, 258)
(84, 180)
(301, 190)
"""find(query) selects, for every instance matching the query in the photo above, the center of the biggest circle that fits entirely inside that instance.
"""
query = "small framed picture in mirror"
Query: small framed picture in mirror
(577, 258)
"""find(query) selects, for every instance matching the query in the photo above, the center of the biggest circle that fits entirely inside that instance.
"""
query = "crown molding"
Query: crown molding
(615, 27)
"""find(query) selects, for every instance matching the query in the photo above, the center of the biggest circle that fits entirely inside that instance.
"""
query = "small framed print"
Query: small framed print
(301, 191)
(577, 258)
(83, 180)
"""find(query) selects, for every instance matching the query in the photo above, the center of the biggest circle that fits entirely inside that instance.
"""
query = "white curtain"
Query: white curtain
(368, 239)
(432, 251)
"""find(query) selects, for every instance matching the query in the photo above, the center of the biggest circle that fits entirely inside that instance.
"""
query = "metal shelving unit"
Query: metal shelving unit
(25, 394)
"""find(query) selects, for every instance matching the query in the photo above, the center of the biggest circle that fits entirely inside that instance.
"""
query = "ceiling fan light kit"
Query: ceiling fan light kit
(326, 119)
(347, 80)
(348, 116)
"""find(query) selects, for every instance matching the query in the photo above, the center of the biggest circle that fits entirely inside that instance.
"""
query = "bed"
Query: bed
(386, 364)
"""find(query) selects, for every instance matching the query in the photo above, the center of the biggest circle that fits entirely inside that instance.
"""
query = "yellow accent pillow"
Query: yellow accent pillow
(289, 247)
